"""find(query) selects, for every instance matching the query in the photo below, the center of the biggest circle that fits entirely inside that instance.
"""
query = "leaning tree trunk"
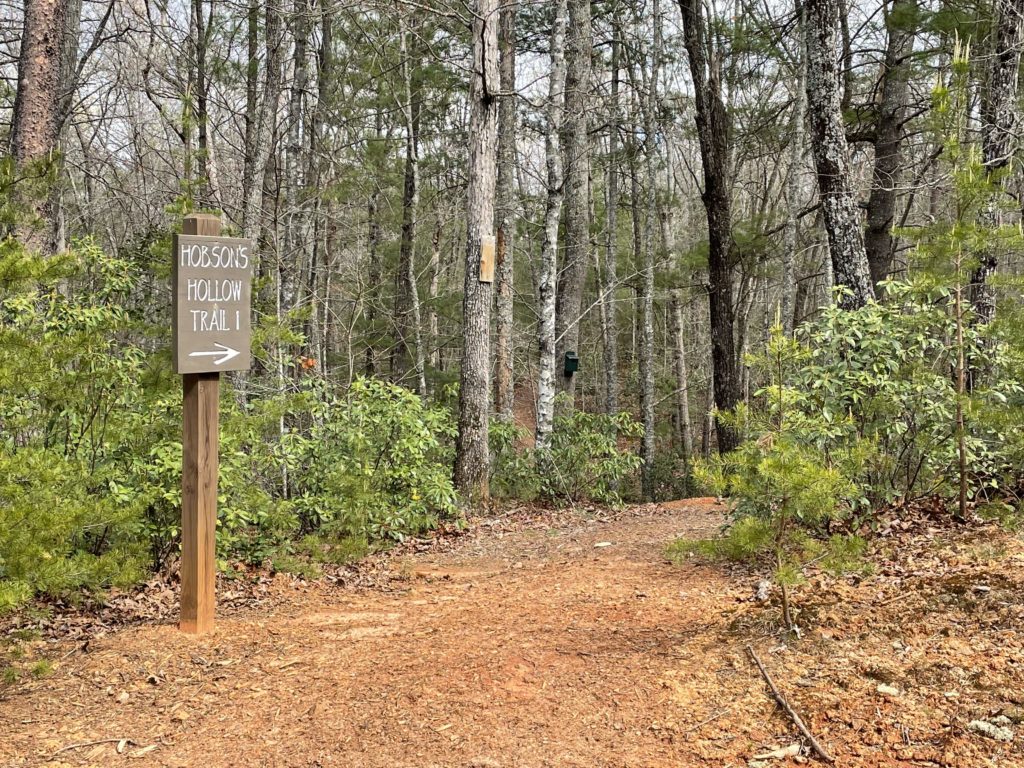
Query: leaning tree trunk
(579, 47)
(547, 279)
(888, 139)
(35, 130)
(831, 156)
(714, 132)
(998, 138)
(504, 383)
(471, 452)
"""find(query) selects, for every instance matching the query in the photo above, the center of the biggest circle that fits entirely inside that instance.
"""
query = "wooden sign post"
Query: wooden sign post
(212, 282)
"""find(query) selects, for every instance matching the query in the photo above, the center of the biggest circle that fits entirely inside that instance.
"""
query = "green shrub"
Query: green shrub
(375, 464)
(60, 532)
(513, 468)
(68, 383)
(586, 460)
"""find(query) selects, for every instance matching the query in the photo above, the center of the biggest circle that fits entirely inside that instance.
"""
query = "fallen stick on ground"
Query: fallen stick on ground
(93, 744)
(824, 755)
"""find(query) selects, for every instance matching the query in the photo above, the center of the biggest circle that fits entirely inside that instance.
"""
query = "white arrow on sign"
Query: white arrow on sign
(226, 353)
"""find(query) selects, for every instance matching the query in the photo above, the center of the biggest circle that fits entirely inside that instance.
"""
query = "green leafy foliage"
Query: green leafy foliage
(588, 459)
(90, 448)
(64, 386)
(376, 463)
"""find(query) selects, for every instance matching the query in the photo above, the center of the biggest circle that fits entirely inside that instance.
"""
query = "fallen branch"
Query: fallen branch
(93, 744)
(824, 755)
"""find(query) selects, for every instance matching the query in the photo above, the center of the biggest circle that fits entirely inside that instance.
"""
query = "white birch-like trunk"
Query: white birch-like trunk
(683, 428)
(547, 283)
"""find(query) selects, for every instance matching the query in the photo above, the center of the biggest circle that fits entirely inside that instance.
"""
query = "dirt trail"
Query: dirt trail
(572, 646)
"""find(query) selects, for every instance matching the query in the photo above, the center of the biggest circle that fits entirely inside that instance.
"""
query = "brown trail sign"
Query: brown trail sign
(212, 286)
(212, 292)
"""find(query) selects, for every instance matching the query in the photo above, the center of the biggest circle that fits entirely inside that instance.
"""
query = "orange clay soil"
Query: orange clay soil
(556, 639)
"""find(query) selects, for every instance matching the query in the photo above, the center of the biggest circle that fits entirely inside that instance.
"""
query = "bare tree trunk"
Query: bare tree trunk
(35, 130)
(609, 274)
(548, 278)
(684, 434)
(294, 203)
(373, 238)
(472, 461)
(435, 279)
(318, 247)
(579, 47)
(888, 139)
(260, 124)
(408, 334)
(998, 138)
(647, 392)
(504, 384)
(210, 197)
(831, 155)
(714, 131)
(69, 63)
(793, 182)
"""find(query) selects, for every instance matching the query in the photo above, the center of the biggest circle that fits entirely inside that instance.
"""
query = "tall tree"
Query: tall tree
(793, 180)
(714, 131)
(999, 115)
(608, 273)
(831, 155)
(647, 362)
(548, 278)
(579, 48)
(35, 131)
(260, 113)
(504, 383)
(471, 452)
(683, 428)
(889, 130)
(408, 347)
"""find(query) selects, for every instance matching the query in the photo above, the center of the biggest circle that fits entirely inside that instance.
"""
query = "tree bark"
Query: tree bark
(998, 139)
(261, 121)
(408, 347)
(35, 129)
(647, 392)
(435, 282)
(548, 277)
(684, 430)
(579, 47)
(714, 133)
(471, 450)
(793, 182)
(878, 239)
(504, 383)
(609, 274)
(831, 156)
(373, 240)
(209, 196)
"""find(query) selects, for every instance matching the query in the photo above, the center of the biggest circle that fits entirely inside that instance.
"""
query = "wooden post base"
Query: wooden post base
(199, 501)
